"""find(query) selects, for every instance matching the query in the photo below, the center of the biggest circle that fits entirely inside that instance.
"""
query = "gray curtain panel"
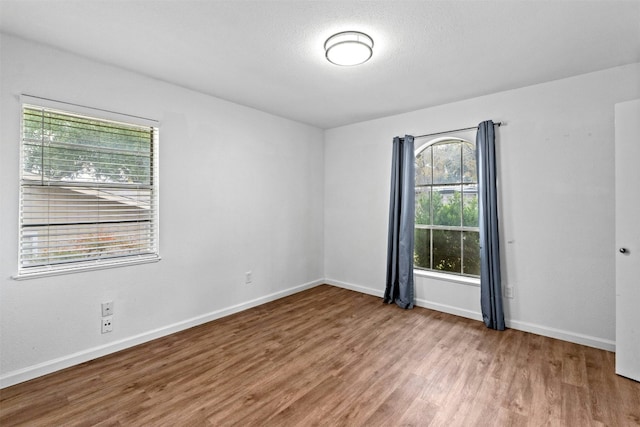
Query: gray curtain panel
(490, 287)
(400, 288)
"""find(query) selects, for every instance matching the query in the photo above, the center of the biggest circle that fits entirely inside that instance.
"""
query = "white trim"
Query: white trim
(563, 335)
(357, 288)
(89, 266)
(31, 372)
(463, 280)
(419, 302)
(456, 311)
(546, 331)
(436, 140)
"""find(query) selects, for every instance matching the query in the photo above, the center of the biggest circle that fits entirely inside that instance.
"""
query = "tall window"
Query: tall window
(88, 192)
(446, 227)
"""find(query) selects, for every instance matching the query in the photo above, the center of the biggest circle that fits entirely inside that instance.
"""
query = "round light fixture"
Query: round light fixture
(348, 48)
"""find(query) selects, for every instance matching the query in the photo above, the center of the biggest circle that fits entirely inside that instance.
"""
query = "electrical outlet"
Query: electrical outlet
(248, 277)
(508, 292)
(107, 324)
(107, 308)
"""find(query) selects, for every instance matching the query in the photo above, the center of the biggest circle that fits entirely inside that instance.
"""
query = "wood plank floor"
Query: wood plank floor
(329, 356)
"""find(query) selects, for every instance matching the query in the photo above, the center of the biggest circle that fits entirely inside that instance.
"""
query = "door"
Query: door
(627, 146)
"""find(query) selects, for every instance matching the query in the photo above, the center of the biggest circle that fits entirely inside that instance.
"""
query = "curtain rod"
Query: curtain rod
(454, 130)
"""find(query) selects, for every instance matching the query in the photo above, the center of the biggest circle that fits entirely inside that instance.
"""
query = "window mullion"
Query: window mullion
(461, 209)
(431, 215)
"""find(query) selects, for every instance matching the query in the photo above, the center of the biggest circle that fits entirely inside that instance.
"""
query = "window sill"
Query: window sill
(470, 281)
(83, 268)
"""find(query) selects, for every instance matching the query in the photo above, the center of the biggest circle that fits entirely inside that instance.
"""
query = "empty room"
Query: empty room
(310, 212)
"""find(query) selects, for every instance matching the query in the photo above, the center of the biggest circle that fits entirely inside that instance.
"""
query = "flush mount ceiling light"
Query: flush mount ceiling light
(348, 48)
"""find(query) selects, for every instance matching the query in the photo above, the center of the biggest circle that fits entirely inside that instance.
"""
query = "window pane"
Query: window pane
(42, 205)
(446, 163)
(423, 167)
(44, 126)
(423, 205)
(66, 147)
(83, 242)
(470, 200)
(88, 196)
(446, 202)
(446, 251)
(447, 205)
(471, 248)
(422, 253)
(469, 162)
(87, 165)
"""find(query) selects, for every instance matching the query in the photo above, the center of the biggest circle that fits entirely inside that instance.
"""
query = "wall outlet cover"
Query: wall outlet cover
(107, 308)
(107, 324)
(508, 292)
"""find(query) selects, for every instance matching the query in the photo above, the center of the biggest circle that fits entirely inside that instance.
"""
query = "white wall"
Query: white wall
(240, 190)
(556, 173)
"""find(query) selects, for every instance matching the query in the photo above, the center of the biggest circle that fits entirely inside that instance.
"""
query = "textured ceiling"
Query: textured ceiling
(269, 54)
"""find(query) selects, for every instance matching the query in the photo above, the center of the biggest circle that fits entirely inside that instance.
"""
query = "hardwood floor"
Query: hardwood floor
(329, 356)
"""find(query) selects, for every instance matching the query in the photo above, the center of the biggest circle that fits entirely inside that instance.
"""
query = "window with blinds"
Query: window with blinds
(88, 192)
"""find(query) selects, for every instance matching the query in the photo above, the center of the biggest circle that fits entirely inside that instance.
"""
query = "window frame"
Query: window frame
(461, 278)
(50, 269)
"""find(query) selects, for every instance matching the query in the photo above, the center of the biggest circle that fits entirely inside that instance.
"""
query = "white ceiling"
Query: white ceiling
(269, 54)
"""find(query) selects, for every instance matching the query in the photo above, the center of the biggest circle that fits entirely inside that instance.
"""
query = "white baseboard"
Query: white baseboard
(546, 331)
(50, 366)
(357, 288)
(563, 335)
(457, 311)
(44, 368)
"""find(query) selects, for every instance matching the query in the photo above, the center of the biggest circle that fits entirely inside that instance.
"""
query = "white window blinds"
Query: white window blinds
(88, 192)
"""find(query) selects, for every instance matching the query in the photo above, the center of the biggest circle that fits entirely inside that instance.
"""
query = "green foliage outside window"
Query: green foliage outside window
(80, 149)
